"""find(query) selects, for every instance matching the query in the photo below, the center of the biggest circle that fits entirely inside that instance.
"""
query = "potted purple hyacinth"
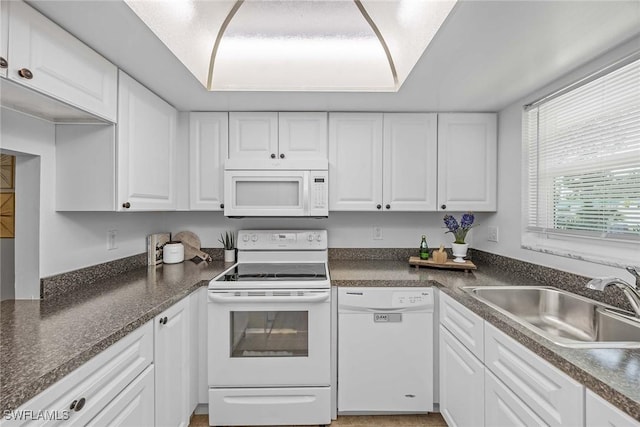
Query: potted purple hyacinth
(459, 231)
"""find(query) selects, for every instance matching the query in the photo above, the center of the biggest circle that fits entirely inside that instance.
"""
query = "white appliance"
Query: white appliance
(385, 350)
(276, 188)
(269, 332)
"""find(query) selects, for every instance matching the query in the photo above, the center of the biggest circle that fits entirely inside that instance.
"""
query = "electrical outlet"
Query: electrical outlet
(492, 233)
(377, 232)
(112, 242)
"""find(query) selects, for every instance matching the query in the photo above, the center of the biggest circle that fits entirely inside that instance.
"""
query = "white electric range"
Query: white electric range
(269, 332)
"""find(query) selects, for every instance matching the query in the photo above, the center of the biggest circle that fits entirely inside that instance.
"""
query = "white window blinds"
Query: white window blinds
(583, 155)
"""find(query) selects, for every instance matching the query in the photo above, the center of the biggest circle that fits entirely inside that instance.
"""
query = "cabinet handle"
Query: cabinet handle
(25, 73)
(388, 206)
(73, 405)
(126, 205)
(3, 63)
(443, 206)
(273, 156)
(163, 320)
(282, 156)
(221, 205)
(379, 206)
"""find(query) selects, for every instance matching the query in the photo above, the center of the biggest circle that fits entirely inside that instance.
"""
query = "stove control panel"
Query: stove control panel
(289, 240)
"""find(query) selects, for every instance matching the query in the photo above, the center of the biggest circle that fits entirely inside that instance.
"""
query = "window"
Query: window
(583, 160)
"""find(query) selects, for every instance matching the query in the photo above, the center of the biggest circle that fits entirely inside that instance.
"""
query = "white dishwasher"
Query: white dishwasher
(385, 350)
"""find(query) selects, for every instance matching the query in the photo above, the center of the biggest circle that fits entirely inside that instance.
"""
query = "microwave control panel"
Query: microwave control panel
(319, 190)
(282, 240)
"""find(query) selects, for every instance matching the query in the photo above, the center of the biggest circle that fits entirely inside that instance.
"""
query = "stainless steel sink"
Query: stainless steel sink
(562, 317)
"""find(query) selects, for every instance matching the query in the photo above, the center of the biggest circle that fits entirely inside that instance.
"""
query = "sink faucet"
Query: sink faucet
(632, 291)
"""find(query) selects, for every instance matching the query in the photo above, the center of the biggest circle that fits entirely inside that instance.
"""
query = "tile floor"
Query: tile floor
(430, 420)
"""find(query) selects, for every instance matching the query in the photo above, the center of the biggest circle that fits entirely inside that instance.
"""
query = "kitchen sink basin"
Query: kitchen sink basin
(564, 318)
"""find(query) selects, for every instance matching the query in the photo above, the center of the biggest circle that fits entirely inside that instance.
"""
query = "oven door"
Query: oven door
(269, 338)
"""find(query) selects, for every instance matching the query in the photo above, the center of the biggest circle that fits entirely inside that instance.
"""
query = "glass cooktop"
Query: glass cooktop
(254, 272)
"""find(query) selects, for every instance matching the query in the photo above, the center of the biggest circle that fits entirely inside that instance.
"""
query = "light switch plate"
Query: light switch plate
(492, 233)
(377, 232)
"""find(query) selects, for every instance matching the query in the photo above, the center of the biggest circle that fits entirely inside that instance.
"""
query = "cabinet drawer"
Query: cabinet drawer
(503, 407)
(552, 395)
(98, 381)
(465, 325)
(599, 413)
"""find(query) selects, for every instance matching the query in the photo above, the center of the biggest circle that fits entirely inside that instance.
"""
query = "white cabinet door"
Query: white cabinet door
(198, 384)
(208, 145)
(302, 135)
(461, 383)
(172, 355)
(467, 162)
(504, 408)
(132, 407)
(146, 149)
(600, 413)
(552, 395)
(4, 38)
(355, 161)
(253, 135)
(410, 162)
(61, 66)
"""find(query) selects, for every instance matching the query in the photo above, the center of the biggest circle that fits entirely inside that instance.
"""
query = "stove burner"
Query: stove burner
(275, 272)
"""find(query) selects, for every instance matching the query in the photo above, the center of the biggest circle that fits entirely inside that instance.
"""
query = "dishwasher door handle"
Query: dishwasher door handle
(239, 299)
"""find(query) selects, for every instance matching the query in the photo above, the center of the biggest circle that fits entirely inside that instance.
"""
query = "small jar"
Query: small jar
(173, 253)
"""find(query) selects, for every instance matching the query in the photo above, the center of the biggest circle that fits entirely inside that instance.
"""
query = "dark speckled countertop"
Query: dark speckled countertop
(42, 341)
(613, 374)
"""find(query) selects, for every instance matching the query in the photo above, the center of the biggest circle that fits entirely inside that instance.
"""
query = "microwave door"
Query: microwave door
(265, 193)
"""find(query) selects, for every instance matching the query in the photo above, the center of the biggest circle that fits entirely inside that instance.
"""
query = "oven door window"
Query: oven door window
(269, 334)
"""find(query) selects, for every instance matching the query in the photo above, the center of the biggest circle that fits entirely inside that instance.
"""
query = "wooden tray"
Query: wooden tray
(466, 265)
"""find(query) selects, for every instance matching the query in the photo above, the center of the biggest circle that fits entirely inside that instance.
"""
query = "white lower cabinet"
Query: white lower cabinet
(554, 397)
(132, 407)
(600, 413)
(461, 383)
(171, 355)
(87, 392)
(504, 408)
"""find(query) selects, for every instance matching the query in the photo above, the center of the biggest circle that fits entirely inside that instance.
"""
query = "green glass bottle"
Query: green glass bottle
(424, 248)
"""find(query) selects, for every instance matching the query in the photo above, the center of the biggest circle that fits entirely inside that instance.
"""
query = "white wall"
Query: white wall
(508, 216)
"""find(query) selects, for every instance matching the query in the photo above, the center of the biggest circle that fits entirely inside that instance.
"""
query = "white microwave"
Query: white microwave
(274, 189)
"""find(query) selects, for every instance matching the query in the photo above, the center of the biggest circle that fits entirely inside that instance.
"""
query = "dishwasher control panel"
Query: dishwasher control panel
(411, 298)
(365, 299)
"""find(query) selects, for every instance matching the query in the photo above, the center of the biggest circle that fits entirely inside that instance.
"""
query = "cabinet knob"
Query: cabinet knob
(77, 405)
(126, 205)
(221, 205)
(273, 156)
(25, 73)
(379, 206)
(388, 206)
(443, 206)
(163, 320)
(3, 63)
(282, 156)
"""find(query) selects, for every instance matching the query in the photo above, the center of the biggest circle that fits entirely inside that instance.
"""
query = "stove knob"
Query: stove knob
(319, 237)
(254, 237)
(310, 237)
(245, 238)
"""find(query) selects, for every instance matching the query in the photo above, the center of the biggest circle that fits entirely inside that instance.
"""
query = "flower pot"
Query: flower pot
(459, 251)
(229, 255)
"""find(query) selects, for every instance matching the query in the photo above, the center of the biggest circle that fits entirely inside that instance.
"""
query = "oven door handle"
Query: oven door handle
(231, 298)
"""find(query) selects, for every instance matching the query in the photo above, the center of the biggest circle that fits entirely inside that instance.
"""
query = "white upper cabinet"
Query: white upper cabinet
(302, 135)
(410, 165)
(355, 161)
(273, 135)
(382, 161)
(4, 37)
(44, 57)
(146, 135)
(208, 145)
(467, 162)
(253, 135)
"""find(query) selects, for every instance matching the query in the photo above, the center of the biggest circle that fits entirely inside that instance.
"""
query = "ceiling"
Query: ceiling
(487, 55)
